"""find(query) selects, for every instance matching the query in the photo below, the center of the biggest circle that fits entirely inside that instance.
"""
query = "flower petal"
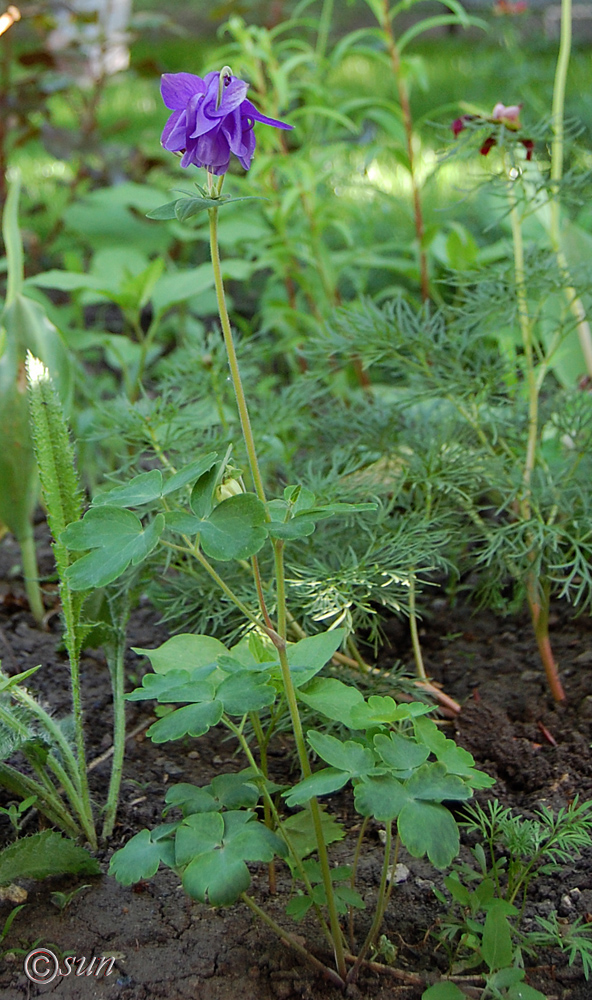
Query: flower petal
(249, 109)
(178, 88)
(174, 133)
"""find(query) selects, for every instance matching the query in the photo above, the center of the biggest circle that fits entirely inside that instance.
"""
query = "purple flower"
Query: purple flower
(211, 119)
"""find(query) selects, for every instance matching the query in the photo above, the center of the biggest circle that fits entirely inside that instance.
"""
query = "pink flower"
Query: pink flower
(502, 114)
(509, 7)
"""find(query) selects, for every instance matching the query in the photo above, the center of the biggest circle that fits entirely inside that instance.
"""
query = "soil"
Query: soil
(167, 945)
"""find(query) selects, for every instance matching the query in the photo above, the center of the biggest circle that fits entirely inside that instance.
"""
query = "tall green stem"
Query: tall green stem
(279, 638)
(241, 401)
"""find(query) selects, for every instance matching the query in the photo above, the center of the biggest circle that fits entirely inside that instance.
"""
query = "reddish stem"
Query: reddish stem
(539, 611)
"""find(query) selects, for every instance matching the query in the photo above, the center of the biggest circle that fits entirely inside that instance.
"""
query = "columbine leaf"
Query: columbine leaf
(382, 797)
(189, 474)
(310, 655)
(429, 828)
(176, 686)
(193, 720)
(456, 759)
(140, 858)
(142, 489)
(246, 692)
(190, 799)
(184, 651)
(197, 834)
(379, 710)
(431, 782)
(116, 537)
(235, 528)
(216, 871)
(349, 756)
(329, 779)
(332, 698)
(400, 752)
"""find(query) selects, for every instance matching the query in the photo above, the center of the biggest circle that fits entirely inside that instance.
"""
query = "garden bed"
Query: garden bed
(169, 946)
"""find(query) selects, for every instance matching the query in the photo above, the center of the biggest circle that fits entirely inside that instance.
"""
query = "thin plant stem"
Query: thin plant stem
(419, 666)
(31, 577)
(118, 687)
(292, 942)
(355, 862)
(393, 50)
(538, 603)
(380, 906)
(241, 401)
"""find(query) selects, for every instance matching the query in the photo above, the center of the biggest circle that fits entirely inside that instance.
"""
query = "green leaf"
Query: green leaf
(298, 907)
(443, 991)
(140, 858)
(332, 698)
(185, 651)
(182, 523)
(429, 828)
(298, 527)
(349, 756)
(164, 212)
(329, 779)
(246, 691)
(177, 686)
(192, 720)
(235, 791)
(310, 655)
(431, 782)
(199, 833)
(216, 872)
(301, 831)
(457, 890)
(117, 539)
(189, 474)
(496, 944)
(190, 799)
(202, 494)
(379, 710)
(382, 797)
(142, 489)
(456, 759)
(44, 854)
(235, 528)
(521, 991)
(400, 752)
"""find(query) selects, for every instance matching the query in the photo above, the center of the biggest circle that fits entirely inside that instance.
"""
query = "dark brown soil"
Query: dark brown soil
(169, 946)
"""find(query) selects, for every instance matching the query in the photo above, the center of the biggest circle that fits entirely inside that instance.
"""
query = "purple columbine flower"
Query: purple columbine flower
(211, 119)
